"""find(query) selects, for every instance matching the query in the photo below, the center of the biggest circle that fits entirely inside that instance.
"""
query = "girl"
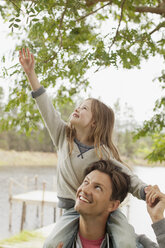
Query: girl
(86, 139)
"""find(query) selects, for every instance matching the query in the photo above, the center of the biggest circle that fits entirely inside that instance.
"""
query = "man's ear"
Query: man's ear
(113, 205)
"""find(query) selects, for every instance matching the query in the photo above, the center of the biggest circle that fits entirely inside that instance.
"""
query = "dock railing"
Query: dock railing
(37, 197)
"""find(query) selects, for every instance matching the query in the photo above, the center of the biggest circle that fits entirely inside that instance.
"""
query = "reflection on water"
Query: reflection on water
(21, 174)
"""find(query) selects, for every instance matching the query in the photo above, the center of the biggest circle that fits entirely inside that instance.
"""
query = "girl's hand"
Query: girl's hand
(151, 194)
(155, 203)
(27, 61)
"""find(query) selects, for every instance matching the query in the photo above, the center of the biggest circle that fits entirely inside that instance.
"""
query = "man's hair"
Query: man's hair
(120, 180)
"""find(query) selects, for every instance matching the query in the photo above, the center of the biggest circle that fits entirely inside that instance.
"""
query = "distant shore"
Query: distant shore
(29, 158)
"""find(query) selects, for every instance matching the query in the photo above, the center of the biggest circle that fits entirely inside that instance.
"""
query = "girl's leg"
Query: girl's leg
(64, 231)
(121, 232)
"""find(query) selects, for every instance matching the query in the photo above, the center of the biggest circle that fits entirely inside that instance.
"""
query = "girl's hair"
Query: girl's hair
(101, 133)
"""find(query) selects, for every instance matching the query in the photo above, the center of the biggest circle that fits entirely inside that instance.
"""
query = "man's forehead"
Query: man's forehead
(99, 177)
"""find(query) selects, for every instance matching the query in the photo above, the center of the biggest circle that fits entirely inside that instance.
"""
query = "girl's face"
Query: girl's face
(82, 116)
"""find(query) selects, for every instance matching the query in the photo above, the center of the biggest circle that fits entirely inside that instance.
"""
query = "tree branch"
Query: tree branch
(161, 25)
(160, 10)
(93, 2)
(50, 58)
(15, 5)
(91, 13)
(117, 30)
(61, 22)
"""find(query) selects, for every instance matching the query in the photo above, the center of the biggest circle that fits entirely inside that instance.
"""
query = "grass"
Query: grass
(24, 236)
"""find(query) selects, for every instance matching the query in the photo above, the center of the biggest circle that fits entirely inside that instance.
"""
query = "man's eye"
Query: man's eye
(85, 182)
(98, 187)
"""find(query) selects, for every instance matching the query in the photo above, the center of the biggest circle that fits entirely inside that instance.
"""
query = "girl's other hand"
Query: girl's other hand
(151, 194)
(26, 60)
(155, 203)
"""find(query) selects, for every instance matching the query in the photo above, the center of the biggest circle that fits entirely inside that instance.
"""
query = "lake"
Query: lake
(21, 175)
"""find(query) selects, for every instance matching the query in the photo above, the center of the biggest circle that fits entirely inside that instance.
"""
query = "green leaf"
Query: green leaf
(32, 10)
(35, 19)
(11, 25)
(12, 19)
(16, 25)
(17, 20)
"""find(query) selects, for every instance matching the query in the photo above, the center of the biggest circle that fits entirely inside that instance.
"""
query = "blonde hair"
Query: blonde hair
(101, 133)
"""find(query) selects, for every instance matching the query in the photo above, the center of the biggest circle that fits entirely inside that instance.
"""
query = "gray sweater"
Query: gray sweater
(159, 230)
(158, 227)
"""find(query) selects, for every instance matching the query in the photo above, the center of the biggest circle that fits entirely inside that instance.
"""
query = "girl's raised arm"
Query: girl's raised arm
(27, 61)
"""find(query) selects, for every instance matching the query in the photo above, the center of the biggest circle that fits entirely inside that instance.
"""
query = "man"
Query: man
(105, 186)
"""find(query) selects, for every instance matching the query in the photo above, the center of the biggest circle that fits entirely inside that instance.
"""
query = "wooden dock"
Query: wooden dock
(36, 197)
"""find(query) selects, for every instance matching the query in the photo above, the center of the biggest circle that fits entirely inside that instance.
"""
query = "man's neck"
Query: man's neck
(92, 229)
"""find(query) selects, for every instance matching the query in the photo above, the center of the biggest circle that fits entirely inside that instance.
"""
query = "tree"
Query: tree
(155, 128)
(1, 97)
(124, 126)
(67, 40)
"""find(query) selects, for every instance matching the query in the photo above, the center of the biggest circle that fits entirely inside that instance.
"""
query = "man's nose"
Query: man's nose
(87, 189)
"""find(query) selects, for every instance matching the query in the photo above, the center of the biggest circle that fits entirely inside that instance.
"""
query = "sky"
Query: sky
(134, 87)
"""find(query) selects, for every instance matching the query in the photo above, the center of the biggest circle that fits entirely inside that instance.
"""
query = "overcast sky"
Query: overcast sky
(132, 86)
(136, 87)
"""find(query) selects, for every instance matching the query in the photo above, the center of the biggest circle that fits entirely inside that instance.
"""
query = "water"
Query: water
(23, 174)
(138, 215)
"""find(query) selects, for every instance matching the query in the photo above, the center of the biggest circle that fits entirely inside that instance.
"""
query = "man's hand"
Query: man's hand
(27, 61)
(155, 202)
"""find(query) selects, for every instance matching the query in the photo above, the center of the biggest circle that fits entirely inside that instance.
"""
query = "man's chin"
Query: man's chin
(78, 208)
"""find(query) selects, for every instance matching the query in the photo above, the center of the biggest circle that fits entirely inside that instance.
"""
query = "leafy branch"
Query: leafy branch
(160, 25)
(117, 30)
(94, 11)
(61, 23)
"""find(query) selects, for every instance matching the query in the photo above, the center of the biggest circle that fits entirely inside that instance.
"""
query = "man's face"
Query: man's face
(93, 195)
